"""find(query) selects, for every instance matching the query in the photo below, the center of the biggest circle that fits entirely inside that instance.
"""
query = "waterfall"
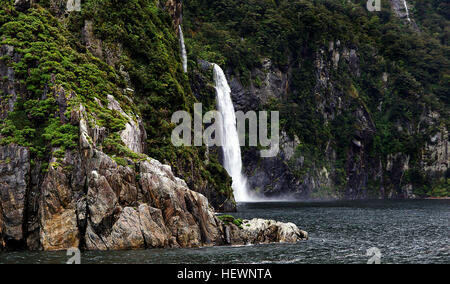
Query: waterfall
(407, 11)
(229, 137)
(183, 49)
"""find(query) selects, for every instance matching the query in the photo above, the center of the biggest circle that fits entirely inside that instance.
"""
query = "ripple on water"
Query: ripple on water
(340, 232)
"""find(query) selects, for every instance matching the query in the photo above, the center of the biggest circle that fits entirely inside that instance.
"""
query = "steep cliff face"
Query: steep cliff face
(365, 175)
(15, 173)
(292, 173)
(175, 10)
(361, 113)
(401, 9)
(80, 119)
(86, 200)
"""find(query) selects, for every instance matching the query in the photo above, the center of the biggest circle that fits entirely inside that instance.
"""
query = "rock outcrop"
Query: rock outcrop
(260, 231)
(436, 157)
(293, 173)
(14, 178)
(402, 10)
(8, 86)
(272, 83)
(175, 10)
(87, 200)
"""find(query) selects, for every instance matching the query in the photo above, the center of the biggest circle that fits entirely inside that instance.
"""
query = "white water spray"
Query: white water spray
(407, 10)
(183, 49)
(232, 159)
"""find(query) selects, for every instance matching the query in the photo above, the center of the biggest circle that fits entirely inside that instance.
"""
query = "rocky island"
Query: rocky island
(87, 200)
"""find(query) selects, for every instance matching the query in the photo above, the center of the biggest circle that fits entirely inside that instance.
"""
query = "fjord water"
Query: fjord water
(415, 231)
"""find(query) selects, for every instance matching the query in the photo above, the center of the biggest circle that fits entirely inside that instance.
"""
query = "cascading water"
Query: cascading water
(229, 137)
(183, 49)
(407, 10)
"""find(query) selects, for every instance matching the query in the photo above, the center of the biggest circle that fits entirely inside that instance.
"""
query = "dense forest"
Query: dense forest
(414, 55)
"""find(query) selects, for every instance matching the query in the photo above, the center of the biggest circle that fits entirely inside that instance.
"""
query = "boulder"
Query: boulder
(261, 231)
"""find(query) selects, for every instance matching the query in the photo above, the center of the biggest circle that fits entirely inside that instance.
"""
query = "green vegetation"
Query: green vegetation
(239, 34)
(50, 67)
(136, 36)
(151, 56)
(228, 219)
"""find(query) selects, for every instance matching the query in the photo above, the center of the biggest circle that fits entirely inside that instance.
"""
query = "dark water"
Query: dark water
(340, 232)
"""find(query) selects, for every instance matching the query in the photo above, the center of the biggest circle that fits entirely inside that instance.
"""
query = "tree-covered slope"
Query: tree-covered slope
(363, 96)
(86, 100)
(54, 61)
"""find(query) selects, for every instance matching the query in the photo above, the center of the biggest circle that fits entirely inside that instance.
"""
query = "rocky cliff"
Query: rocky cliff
(81, 117)
(86, 99)
(89, 201)
(366, 175)
(360, 117)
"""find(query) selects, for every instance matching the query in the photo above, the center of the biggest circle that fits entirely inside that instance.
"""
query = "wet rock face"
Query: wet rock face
(9, 86)
(436, 157)
(260, 231)
(175, 10)
(271, 83)
(399, 8)
(278, 175)
(14, 176)
(402, 9)
(292, 174)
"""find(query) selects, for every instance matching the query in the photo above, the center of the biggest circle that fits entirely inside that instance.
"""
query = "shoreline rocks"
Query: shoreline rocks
(87, 200)
(261, 231)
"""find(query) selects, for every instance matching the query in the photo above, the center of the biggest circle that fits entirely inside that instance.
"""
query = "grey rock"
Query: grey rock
(153, 228)
(14, 177)
(10, 86)
(261, 231)
(126, 232)
(134, 135)
(272, 83)
(436, 157)
(101, 199)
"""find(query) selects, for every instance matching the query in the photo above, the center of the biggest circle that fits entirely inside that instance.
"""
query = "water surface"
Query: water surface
(414, 231)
